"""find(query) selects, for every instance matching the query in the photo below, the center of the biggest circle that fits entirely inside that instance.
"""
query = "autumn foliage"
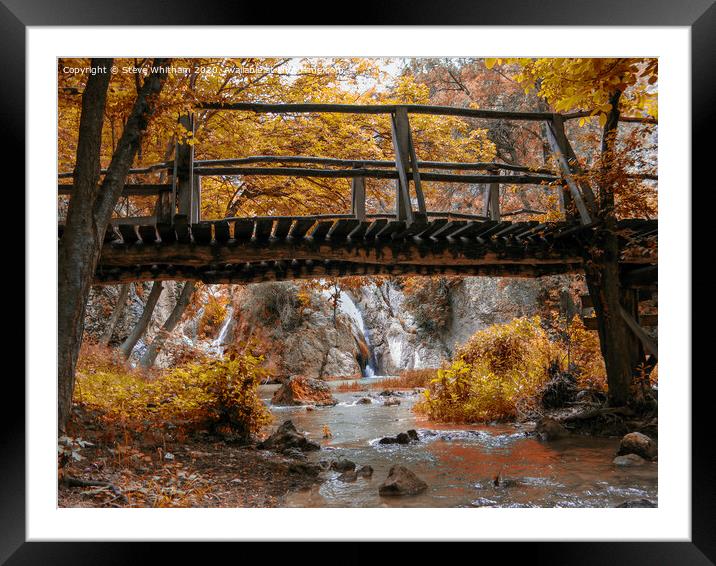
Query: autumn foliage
(201, 395)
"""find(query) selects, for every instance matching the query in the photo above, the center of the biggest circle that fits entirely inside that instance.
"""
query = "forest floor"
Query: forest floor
(159, 470)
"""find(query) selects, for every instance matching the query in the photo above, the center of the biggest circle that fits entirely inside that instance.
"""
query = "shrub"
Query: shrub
(213, 316)
(214, 394)
(497, 374)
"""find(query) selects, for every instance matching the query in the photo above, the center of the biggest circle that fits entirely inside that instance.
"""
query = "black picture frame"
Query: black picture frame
(699, 15)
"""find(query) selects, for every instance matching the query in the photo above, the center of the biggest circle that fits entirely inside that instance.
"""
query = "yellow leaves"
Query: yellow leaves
(490, 63)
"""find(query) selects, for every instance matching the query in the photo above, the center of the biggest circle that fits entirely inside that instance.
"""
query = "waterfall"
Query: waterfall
(217, 346)
(347, 307)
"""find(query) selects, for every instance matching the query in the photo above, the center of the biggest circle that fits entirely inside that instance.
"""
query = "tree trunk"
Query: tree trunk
(602, 276)
(116, 314)
(89, 212)
(155, 347)
(79, 245)
(141, 327)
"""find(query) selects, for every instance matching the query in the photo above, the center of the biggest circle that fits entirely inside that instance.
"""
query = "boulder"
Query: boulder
(364, 401)
(388, 440)
(365, 471)
(413, 434)
(401, 481)
(403, 438)
(348, 476)
(550, 429)
(637, 503)
(287, 438)
(343, 465)
(301, 390)
(390, 401)
(638, 443)
(629, 460)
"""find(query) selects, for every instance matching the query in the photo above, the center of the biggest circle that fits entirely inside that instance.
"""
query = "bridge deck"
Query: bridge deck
(247, 250)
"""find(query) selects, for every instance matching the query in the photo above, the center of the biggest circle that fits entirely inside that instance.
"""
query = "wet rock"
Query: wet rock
(638, 443)
(386, 393)
(364, 401)
(401, 481)
(550, 429)
(348, 476)
(365, 471)
(301, 390)
(343, 465)
(324, 464)
(294, 453)
(403, 438)
(286, 438)
(390, 401)
(413, 434)
(637, 503)
(304, 469)
(388, 440)
(629, 460)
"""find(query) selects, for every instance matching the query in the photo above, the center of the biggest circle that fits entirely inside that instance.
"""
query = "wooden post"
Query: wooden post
(493, 201)
(184, 164)
(196, 200)
(164, 210)
(401, 144)
(566, 160)
(358, 198)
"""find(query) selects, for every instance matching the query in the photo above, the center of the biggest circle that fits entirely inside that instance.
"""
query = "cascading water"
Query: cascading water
(348, 307)
(217, 346)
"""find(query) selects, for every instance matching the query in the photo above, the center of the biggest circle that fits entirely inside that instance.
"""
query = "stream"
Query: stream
(458, 462)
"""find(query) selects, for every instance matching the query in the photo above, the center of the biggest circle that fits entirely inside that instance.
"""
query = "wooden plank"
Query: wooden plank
(181, 226)
(375, 227)
(166, 233)
(448, 229)
(321, 230)
(340, 230)
(415, 228)
(134, 220)
(498, 227)
(128, 232)
(243, 230)
(281, 228)
(130, 190)
(148, 234)
(300, 228)
(263, 228)
(392, 227)
(221, 231)
(650, 346)
(359, 232)
(184, 159)
(201, 233)
(405, 122)
(433, 226)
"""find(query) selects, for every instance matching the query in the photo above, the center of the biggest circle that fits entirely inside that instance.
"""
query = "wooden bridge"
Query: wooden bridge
(176, 244)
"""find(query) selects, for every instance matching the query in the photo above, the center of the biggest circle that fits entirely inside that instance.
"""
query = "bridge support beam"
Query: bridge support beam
(406, 162)
(184, 179)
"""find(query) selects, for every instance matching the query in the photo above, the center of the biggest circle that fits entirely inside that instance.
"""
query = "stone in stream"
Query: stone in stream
(401, 481)
(390, 401)
(287, 438)
(365, 471)
(632, 503)
(629, 460)
(637, 443)
(301, 390)
(413, 434)
(364, 401)
(388, 440)
(550, 429)
(403, 438)
(348, 476)
(343, 465)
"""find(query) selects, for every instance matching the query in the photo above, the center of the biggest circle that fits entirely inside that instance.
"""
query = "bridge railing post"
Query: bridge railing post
(406, 161)
(491, 206)
(184, 173)
(358, 198)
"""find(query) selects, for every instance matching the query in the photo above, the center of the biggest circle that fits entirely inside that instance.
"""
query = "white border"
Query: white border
(671, 521)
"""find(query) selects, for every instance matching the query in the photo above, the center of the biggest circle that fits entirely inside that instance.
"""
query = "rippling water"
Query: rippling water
(459, 462)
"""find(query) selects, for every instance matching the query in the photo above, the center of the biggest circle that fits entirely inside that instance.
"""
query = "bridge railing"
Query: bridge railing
(183, 195)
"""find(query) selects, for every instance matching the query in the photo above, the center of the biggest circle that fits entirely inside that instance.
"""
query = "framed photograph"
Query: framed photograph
(394, 279)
